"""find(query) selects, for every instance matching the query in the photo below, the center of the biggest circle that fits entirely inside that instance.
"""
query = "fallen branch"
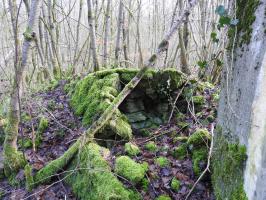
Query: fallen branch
(207, 167)
(56, 165)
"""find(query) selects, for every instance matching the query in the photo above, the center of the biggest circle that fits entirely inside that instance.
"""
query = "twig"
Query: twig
(207, 167)
(159, 135)
(55, 120)
(177, 97)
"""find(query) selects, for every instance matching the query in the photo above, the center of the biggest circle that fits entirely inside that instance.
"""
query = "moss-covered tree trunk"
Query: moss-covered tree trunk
(13, 159)
(242, 113)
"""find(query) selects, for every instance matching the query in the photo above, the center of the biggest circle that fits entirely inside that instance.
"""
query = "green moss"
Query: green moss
(13, 181)
(211, 118)
(13, 160)
(175, 184)
(43, 125)
(132, 149)
(162, 161)
(28, 34)
(145, 132)
(181, 139)
(199, 137)
(200, 100)
(216, 96)
(129, 169)
(183, 125)
(120, 126)
(25, 143)
(94, 179)
(145, 184)
(151, 146)
(179, 116)
(29, 177)
(25, 117)
(228, 163)
(163, 197)
(180, 152)
(245, 13)
(199, 156)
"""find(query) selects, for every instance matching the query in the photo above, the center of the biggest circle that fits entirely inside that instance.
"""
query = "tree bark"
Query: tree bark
(92, 36)
(106, 33)
(241, 126)
(119, 31)
(14, 159)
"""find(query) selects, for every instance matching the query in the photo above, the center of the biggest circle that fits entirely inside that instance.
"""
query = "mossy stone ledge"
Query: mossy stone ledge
(94, 93)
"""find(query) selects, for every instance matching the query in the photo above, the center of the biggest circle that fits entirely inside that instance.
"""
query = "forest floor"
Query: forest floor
(64, 128)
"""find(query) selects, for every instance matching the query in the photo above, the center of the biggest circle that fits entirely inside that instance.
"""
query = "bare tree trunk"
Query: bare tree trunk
(78, 32)
(92, 36)
(172, 21)
(53, 36)
(14, 159)
(183, 56)
(119, 30)
(106, 33)
(138, 42)
(125, 41)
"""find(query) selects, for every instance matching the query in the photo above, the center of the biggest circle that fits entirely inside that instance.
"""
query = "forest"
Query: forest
(133, 99)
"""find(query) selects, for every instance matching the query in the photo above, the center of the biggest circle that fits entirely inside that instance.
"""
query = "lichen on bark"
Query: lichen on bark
(245, 13)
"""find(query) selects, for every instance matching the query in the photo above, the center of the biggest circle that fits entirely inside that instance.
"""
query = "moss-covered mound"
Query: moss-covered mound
(147, 106)
(91, 178)
(129, 169)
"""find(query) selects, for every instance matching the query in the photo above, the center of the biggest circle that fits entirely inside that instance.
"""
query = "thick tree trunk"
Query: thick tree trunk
(14, 159)
(242, 111)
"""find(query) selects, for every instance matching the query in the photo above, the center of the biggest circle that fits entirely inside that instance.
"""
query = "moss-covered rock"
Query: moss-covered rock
(93, 179)
(180, 152)
(43, 125)
(162, 161)
(151, 146)
(199, 159)
(175, 184)
(199, 137)
(92, 97)
(132, 149)
(129, 169)
(228, 163)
